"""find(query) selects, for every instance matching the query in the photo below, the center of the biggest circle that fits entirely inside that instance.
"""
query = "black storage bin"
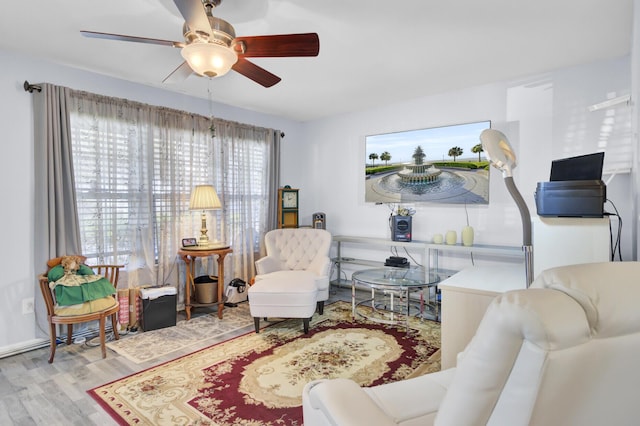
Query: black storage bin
(159, 307)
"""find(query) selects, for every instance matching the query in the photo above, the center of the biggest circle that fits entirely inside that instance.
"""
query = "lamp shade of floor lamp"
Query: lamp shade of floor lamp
(203, 198)
(501, 156)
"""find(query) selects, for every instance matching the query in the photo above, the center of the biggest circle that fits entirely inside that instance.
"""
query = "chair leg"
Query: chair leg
(114, 327)
(320, 307)
(103, 339)
(305, 324)
(52, 335)
(69, 334)
(256, 322)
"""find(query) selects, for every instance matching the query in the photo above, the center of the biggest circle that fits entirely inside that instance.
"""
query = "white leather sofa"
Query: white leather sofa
(566, 351)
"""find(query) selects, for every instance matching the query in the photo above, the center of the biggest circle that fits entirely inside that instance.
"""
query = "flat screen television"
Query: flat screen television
(443, 164)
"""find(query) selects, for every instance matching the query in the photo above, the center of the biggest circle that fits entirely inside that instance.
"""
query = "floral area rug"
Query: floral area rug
(257, 379)
(143, 347)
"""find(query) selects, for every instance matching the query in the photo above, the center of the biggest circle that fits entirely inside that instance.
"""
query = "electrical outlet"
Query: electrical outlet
(27, 305)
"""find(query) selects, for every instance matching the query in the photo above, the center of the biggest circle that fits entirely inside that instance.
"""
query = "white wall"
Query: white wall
(540, 115)
(324, 158)
(635, 125)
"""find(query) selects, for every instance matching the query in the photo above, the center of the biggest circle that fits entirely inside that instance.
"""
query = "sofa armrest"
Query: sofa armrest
(266, 265)
(340, 402)
(320, 266)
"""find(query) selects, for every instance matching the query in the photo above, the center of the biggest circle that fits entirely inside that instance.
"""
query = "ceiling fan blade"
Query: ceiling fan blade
(255, 73)
(119, 37)
(193, 13)
(179, 74)
(283, 45)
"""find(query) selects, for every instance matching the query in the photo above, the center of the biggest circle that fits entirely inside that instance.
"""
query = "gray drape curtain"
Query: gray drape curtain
(56, 220)
(274, 179)
(56, 225)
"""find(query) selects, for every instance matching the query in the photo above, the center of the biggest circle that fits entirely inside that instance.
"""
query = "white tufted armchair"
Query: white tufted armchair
(293, 278)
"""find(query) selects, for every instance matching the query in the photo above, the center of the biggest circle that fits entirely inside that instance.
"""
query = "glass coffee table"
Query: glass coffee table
(391, 289)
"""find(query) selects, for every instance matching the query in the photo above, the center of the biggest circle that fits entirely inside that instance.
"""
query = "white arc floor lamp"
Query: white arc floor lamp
(204, 197)
(501, 156)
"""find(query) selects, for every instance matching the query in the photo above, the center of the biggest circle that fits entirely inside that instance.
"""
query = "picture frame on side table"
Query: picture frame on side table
(189, 242)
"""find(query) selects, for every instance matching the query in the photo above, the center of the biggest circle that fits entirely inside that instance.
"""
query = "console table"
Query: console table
(189, 257)
(431, 251)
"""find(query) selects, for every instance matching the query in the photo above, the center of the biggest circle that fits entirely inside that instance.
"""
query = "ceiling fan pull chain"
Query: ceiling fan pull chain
(212, 126)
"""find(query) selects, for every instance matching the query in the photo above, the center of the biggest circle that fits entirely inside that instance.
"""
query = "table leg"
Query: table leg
(353, 299)
(187, 292)
(408, 307)
(220, 285)
(373, 299)
(338, 265)
(392, 314)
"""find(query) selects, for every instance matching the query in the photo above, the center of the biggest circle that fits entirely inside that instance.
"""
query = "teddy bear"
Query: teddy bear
(71, 264)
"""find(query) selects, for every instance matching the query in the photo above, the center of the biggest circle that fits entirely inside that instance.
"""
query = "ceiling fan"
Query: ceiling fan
(211, 48)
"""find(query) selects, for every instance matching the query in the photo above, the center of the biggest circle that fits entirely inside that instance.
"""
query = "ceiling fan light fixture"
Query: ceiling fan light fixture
(209, 59)
(211, 49)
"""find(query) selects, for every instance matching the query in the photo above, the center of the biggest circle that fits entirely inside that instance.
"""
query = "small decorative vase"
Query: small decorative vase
(467, 236)
(451, 237)
(437, 239)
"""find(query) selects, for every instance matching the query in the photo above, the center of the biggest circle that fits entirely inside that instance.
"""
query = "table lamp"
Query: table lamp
(204, 197)
(501, 156)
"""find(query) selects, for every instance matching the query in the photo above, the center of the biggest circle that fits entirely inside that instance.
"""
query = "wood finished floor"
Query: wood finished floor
(34, 392)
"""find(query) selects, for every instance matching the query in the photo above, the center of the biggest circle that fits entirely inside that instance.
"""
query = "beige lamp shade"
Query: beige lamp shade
(204, 197)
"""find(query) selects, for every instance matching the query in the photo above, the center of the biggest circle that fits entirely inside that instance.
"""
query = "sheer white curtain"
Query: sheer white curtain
(135, 168)
(179, 155)
(109, 140)
(249, 188)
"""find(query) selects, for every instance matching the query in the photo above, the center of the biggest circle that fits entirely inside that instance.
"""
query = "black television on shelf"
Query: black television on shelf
(444, 164)
(581, 167)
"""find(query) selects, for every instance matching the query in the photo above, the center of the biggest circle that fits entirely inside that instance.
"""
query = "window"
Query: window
(135, 166)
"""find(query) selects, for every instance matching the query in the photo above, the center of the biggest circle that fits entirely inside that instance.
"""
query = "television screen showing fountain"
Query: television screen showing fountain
(436, 165)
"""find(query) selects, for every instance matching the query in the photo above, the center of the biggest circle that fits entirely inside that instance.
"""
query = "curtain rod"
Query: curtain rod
(28, 87)
(31, 87)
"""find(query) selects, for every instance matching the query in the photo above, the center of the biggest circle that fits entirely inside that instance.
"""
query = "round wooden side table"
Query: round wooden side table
(189, 256)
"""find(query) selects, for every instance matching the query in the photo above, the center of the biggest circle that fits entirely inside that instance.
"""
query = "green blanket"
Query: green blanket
(75, 289)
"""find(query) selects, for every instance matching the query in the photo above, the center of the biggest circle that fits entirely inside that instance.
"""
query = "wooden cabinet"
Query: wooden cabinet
(288, 204)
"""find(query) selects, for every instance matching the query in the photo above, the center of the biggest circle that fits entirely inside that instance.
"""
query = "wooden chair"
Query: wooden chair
(110, 272)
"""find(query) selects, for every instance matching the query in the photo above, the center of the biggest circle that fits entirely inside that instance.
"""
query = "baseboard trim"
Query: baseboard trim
(34, 344)
(22, 347)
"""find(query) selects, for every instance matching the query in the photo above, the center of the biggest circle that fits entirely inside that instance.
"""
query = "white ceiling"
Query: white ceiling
(372, 52)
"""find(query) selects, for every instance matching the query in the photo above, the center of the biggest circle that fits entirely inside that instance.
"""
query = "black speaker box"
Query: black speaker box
(401, 228)
(319, 220)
